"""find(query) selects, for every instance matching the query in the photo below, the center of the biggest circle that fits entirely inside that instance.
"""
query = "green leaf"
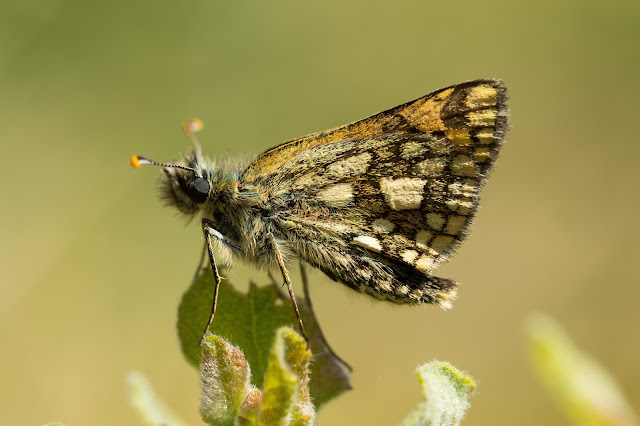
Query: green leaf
(446, 391)
(580, 386)
(151, 411)
(290, 352)
(229, 399)
(250, 322)
(225, 378)
(287, 371)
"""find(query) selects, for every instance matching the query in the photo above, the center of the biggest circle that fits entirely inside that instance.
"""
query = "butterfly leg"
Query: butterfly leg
(209, 234)
(201, 266)
(287, 282)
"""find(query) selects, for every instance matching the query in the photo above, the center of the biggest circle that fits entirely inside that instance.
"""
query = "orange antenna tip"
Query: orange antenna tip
(192, 126)
(137, 161)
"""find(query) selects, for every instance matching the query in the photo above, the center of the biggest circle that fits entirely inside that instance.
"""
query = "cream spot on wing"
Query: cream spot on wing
(338, 195)
(411, 149)
(409, 256)
(352, 166)
(385, 286)
(441, 243)
(430, 166)
(332, 227)
(458, 188)
(463, 165)
(402, 290)
(435, 221)
(439, 147)
(425, 263)
(462, 205)
(481, 97)
(485, 136)
(455, 224)
(452, 203)
(383, 226)
(310, 179)
(367, 242)
(422, 238)
(403, 193)
(482, 118)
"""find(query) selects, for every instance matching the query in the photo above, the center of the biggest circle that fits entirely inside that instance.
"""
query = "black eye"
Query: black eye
(198, 190)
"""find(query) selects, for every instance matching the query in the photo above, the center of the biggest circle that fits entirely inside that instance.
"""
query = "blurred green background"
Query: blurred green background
(92, 267)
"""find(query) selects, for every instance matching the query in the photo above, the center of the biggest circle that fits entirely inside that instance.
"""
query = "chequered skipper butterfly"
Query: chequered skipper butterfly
(376, 205)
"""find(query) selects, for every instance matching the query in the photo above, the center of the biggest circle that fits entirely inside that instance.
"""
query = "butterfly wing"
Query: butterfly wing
(477, 107)
(392, 194)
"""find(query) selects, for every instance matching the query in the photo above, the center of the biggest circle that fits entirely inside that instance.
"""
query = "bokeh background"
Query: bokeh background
(92, 267)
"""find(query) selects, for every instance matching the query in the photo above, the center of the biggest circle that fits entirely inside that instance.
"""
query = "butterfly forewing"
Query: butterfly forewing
(479, 104)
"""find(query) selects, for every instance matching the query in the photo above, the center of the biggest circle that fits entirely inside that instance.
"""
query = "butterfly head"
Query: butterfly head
(185, 184)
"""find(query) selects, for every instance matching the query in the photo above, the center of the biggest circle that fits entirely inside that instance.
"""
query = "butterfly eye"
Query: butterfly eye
(198, 190)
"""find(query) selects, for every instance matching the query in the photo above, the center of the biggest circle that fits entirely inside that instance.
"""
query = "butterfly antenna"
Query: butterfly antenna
(190, 127)
(137, 161)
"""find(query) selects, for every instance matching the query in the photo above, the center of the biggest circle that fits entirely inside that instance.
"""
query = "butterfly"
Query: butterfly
(376, 204)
